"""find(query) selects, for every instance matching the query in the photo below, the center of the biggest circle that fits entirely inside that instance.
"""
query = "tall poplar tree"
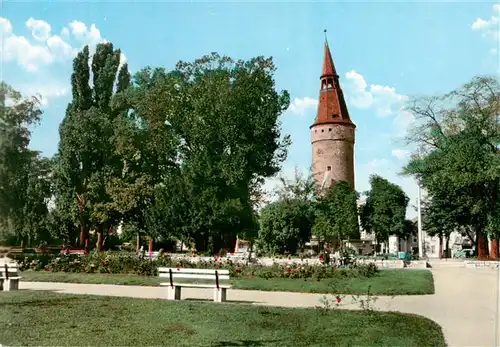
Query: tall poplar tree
(86, 157)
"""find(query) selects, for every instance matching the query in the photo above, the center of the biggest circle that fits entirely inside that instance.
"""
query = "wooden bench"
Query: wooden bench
(174, 287)
(9, 277)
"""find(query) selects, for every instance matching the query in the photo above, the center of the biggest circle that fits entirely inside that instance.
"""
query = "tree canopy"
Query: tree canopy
(384, 211)
(459, 161)
(24, 174)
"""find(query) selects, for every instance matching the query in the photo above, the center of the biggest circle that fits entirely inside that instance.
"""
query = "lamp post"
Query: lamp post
(419, 222)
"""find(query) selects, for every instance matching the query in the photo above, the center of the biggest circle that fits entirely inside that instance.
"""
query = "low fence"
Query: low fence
(474, 264)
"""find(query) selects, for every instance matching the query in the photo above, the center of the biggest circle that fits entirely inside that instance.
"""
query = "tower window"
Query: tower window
(329, 129)
(328, 168)
(322, 130)
(335, 116)
(315, 131)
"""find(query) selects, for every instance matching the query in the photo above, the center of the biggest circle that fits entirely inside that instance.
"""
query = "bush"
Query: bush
(125, 263)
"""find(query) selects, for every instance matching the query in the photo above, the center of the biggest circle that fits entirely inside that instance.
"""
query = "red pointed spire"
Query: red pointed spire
(328, 67)
(332, 108)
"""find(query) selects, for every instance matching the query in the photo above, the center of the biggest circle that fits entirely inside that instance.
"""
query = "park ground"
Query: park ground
(465, 305)
(385, 282)
(97, 321)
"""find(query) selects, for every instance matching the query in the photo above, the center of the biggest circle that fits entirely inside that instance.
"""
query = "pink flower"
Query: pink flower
(339, 299)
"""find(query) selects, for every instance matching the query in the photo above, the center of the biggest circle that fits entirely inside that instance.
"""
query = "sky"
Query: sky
(384, 52)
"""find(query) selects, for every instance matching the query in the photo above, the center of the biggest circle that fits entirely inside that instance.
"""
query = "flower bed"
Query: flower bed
(125, 263)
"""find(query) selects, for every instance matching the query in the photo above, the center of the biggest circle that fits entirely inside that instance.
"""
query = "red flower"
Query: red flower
(238, 270)
(339, 300)
(288, 269)
(178, 268)
(294, 266)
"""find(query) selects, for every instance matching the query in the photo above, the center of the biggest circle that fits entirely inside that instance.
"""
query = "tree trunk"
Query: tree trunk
(201, 242)
(482, 245)
(440, 246)
(138, 241)
(99, 231)
(447, 238)
(82, 234)
(150, 247)
(494, 248)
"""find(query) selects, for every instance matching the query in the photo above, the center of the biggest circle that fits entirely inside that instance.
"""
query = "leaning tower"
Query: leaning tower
(332, 134)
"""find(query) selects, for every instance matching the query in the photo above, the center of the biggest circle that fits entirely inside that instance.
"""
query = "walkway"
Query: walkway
(465, 303)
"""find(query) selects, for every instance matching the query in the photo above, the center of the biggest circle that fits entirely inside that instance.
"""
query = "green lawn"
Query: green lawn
(386, 282)
(47, 319)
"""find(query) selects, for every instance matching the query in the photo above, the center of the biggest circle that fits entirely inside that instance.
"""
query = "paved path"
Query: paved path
(465, 303)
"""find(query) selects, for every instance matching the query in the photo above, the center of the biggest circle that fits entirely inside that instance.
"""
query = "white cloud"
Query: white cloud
(301, 105)
(377, 163)
(489, 28)
(5, 27)
(60, 48)
(40, 29)
(357, 95)
(402, 121)
(383, 99)
(400, 153)
(45, 92)
(123, 60)
(85, 35)
(65, 33)
(18, 48)
(46, 48)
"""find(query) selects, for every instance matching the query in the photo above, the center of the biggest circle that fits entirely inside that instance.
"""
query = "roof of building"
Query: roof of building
(332, 108)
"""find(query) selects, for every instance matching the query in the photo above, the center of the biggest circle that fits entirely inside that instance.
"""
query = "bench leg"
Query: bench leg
(1, 284)
(7, 285)
(14, 284)
(173, 293)
(220, 295)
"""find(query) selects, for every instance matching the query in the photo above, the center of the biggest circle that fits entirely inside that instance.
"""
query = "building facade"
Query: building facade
(332, 133)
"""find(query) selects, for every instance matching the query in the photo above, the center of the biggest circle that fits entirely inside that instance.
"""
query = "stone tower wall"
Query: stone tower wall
(333, 146)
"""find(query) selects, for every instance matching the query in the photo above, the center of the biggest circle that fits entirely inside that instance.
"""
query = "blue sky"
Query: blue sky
(384, 52)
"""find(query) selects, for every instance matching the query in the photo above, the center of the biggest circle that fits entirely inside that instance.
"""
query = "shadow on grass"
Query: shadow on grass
(248, 302)
(243, 343)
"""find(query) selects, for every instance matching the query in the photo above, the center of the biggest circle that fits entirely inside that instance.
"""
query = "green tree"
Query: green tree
(384, 211)
(338, 213)
(148, 146)
(222, 117)
(285, 226)
(86, 160)
(23, 173)
(301, 186)
(459, 137)
(439, 216)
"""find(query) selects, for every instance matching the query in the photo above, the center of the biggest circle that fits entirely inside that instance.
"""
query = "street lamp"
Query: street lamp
(419, 222)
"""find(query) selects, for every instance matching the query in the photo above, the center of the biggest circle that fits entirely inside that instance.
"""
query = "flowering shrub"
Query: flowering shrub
(126, 263)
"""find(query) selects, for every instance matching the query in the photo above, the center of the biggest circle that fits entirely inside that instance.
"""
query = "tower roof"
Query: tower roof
(332, 108)
(328, 66)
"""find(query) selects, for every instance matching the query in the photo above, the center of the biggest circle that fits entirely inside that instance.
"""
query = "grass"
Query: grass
(47, 319)
(386, 282)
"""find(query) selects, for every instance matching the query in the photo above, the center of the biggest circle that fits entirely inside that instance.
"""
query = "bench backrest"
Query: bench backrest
(189, 273)
(8, 270)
